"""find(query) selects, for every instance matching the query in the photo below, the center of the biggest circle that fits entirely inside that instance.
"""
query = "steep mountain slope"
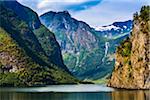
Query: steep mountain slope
(23, 61)
(132, 67)
(33, 22)
(86, 52)
(75, 35)
(80, 46)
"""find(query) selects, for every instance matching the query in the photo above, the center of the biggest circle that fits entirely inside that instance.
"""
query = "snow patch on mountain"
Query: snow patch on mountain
(125, 27)
(105, 28)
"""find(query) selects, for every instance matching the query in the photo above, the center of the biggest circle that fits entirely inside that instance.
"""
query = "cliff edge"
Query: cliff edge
(132, 66)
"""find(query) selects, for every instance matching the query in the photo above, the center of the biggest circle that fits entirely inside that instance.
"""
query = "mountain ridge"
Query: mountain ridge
(79, 41)
(23, 60)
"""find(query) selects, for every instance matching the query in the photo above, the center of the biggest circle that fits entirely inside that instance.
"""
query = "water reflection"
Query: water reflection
(131, 95)
(55, 96)
(117, 95)
(32, 94)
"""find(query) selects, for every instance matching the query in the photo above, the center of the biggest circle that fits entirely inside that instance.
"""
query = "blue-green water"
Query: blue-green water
(72, 92)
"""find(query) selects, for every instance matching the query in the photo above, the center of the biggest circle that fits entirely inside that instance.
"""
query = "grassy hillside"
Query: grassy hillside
(23, 61)
(18, 69)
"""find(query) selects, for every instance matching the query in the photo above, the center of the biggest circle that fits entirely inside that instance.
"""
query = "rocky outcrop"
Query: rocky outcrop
(132, 66)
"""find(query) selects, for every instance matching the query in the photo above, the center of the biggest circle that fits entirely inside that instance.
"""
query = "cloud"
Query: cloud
(70, 5)
(46, 3)
(94, 12)
(83, 6)
(41, 6)
(109, 11)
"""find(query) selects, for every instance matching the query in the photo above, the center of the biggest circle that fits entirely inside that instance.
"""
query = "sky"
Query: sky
(93, 12)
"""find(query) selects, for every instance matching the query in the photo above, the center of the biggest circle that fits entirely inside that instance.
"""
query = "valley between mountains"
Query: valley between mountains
(56, 48)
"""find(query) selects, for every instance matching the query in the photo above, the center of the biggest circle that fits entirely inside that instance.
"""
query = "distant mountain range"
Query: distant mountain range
(87, 52)
(115, 29)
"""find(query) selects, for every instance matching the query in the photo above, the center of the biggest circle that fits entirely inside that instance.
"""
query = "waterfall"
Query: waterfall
(106, 50)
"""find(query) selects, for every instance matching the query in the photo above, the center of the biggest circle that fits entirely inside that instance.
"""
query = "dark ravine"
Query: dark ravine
(23, 59)
(132, 67)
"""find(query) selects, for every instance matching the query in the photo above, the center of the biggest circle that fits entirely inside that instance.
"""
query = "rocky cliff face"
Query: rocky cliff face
(71, 34)
(132, 67)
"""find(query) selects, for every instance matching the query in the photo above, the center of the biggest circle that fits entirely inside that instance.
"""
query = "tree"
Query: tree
(145, 13)
(135, 16)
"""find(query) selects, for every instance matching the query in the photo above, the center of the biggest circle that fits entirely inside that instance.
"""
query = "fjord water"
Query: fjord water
(72, 92)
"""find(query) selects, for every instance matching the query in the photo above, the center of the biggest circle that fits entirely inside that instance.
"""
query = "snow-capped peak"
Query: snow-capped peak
(105, 28)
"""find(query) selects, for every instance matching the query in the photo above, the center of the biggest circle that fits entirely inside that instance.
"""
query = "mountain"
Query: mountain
(33, 22)
(24, 61)
(76, 39)
(115, 30)
(87, 53)
(132, 70)
(71, 31)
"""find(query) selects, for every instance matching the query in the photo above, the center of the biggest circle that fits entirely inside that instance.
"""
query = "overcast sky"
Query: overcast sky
(93, 12)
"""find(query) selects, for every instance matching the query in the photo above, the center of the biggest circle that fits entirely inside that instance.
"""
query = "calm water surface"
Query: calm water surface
(72, 92)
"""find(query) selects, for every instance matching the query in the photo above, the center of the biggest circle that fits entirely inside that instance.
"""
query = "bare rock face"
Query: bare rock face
(132, 67)
(71, 34)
